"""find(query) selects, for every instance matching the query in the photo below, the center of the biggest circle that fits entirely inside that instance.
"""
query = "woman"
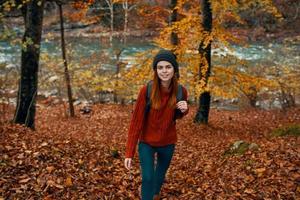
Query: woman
(155, 129)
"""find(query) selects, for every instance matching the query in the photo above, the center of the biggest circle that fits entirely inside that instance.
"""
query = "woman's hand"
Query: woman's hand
(182, 106)
(128, 163)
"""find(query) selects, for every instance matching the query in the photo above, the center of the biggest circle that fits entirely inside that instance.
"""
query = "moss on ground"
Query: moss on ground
(287, 130)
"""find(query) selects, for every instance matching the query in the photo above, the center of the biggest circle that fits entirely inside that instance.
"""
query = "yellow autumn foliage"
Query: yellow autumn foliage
(224, 81)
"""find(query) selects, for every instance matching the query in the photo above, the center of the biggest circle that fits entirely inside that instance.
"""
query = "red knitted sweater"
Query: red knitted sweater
(159, 127)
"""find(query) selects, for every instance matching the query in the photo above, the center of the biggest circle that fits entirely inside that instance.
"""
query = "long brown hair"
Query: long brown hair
(156, 93)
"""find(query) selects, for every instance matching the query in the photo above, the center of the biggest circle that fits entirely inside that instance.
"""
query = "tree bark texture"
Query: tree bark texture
(173, 18)
(202, 114)
(66, 71)
(28, 84)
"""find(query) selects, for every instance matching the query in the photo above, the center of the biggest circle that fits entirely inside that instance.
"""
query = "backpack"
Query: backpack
(179, 97)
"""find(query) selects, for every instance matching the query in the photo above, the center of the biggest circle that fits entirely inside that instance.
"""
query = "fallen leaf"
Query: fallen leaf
(50, 169)
(44, 144)
(68, 181)
(298, 189)
(80, 161)
(59, 186)
(24, 180)
(249, 191)
(260, 171)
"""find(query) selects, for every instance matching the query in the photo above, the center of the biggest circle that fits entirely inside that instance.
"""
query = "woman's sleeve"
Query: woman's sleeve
(136, 123)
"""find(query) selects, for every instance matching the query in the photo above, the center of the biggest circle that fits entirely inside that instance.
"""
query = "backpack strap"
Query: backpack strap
(149, 89)
(148, 101)
(179, 97)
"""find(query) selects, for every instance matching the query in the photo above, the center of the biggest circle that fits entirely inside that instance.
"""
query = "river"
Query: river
(256, 53)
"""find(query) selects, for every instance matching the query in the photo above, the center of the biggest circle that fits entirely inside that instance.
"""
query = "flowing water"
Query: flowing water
(268, 53)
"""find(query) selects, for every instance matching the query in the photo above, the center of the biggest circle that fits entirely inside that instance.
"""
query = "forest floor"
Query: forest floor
(82, 158)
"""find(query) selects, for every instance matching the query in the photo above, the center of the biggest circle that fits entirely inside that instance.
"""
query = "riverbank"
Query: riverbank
(78, 30)
(260, 35)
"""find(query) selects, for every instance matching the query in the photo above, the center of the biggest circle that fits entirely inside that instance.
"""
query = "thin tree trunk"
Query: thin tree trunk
(173, 18)
(111, 23)
(28, 85)
(110, 4)
(63, 49)
(118, 56)
(125, 7)
(204, 99)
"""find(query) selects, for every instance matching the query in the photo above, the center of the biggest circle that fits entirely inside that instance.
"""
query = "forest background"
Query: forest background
(71, 71)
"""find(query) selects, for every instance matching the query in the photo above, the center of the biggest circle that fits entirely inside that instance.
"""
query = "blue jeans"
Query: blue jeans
(154, 176)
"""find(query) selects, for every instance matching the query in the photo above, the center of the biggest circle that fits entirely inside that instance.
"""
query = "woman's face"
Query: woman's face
(165, 71)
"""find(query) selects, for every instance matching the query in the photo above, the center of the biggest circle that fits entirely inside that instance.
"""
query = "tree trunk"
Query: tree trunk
(125, 7)
(26, 102)
(173, 18)
(111, 23)
(110, 4)
(118, 53)
(204, 99)
(63, 49)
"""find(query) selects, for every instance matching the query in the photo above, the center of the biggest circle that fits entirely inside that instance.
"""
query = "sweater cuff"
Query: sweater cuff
(129, 154)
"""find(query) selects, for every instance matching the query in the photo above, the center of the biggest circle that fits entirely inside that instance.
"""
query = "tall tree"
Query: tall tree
(111, 4)
(173, 19)
(205, 51)
(26, 101)
(126, 8)
(225, 78)
(66, 72)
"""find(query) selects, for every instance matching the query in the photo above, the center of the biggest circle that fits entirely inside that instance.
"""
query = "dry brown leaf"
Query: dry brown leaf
(298, 189)
(59, 186)
(68, 181)
(249, 191)
(24, 180)
(80, 161)
(50, 169)
(260, 171)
